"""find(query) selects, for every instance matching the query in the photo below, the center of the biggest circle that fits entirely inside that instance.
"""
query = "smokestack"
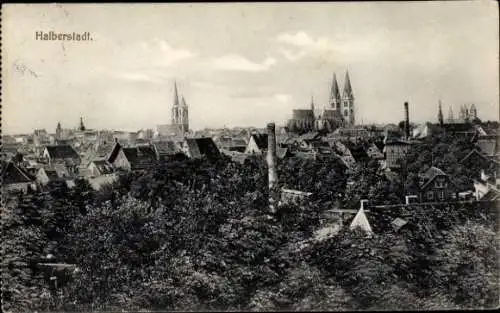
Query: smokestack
(271, 162)
(407, 121)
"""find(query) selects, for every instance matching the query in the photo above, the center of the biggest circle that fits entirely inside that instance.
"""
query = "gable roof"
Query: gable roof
(207, 147)
(114, 153)
(430, 174)
(12, 174)
(361, 221)
(140, 157)
(474, 152)
(260, 140)
(61, 152)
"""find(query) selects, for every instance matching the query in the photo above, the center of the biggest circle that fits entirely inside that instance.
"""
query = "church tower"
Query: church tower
(175, 106)
(184, 116)
(58, 131)
(335, 100)
(82, 126)
(348, 101)
(180, 114)
(440, 114)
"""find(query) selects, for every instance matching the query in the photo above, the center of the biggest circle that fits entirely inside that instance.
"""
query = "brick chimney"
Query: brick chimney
(407, 121)
(271, 162)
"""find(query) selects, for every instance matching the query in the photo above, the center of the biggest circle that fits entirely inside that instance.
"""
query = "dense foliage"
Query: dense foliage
(197, 235)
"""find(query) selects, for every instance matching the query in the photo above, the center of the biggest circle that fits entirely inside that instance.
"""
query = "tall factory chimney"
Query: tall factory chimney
(271, 163)
(407, 121)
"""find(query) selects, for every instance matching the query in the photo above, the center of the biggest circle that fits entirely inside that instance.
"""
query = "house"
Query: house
(15, 179)
(257, 144)
(100, 167)
(63, 154)
(477, 159)
(485, 191)
(199, 147)
(436, 186)
(166, 148)
(488, 146)
(47, 175)
(132, 158)
(395, 152)
(358, 152)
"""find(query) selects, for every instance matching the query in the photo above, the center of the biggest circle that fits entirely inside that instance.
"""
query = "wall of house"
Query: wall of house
(122, 162)
(18, 187)
(42, 177)
(440, 189)
(252, 147)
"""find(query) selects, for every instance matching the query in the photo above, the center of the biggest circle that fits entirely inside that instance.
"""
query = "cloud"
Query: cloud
(285, 98)
(235, 62)
(290, 56)
(335, 49)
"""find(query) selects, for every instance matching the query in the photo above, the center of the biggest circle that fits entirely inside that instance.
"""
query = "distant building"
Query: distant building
(339, 112)
(15, 179)
(63, 155)
(436, 186)
(199, 147)
(180, 112)
(132, 158)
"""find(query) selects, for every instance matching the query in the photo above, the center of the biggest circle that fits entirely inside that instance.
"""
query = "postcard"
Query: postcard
(323, 156)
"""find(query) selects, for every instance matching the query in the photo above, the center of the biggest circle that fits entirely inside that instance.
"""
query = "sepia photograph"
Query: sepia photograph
(266, 156)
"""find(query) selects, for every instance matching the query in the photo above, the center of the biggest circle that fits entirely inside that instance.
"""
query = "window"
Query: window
(430, 195)
(439, 183)
(441, 195)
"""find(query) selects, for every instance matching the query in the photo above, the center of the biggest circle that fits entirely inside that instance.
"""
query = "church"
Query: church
(179, 125)
(338, 113)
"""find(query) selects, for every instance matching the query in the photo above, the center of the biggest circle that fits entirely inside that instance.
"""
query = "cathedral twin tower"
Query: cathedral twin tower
(338, 113)
(344, 104)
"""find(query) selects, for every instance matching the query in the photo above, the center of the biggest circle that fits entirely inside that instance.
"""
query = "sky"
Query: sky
(241, 64)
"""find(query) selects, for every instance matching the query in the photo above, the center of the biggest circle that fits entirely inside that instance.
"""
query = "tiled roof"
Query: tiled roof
(140, 157)
(62, 152)
(12, 174)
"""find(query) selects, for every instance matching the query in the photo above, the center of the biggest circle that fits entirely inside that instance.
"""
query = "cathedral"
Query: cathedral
(338, 113)
(466, 115)
(180, 114)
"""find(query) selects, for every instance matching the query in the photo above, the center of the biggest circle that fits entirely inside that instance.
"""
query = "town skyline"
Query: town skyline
(249, 75)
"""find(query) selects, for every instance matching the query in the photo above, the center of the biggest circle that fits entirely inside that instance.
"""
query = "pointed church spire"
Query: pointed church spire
(312, 103)
(82, 126)
(176, 94)
(440, 114)
(334, 93)
(183, 101)
(347, 87)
